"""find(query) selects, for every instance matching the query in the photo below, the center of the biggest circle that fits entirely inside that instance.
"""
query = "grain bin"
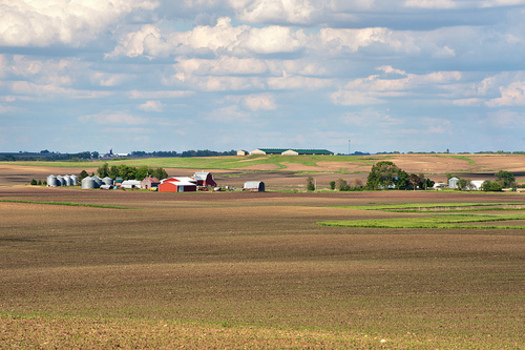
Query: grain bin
(67, 180)
(60, 180)
(88, 183)
(97, 180)
(74, 180)
(51, 181)
(107, 181)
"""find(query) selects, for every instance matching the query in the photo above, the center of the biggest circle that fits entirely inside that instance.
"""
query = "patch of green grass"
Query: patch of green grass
(433, 222)
(70, 204)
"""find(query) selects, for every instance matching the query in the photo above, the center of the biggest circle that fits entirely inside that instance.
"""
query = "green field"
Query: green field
(254, 271)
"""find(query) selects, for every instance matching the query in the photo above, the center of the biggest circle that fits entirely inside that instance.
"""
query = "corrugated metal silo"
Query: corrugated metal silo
(107, 181)
(67, 180)
(74, 180)
(60, 180)
(97, 180)
(88, 183)
(51, 181)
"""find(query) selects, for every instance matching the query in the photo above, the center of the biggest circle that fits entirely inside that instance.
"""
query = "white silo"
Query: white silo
(51, 181)
(67, 180)
(107, 181)
(60, 180)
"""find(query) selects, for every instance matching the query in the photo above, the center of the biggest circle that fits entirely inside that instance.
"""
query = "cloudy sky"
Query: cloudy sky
(388, 75)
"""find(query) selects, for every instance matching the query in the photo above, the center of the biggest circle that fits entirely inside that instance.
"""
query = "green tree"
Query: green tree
(385, 174)
(103, 171)
(34, 182)
(464, 184)
(505, 178)
(160, 173)
(127, 172)
(310, 185)
(332, 185)
(415, 180)
(342, 185)
(83, 174)
(114, 172)
(142, 172)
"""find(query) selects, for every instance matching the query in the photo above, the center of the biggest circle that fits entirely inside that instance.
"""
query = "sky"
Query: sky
(343, 75)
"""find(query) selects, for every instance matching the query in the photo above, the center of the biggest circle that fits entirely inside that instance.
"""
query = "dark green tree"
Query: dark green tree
(160, 173)
(342, 185)
(416, 181)
(103, 171)
(34, 182)
(505, 178)
(310, 185)
(332, 185)
(114, 172)
(385, 174)
(83, 174)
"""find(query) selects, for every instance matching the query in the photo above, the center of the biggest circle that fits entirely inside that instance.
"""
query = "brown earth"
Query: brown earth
(251, 270)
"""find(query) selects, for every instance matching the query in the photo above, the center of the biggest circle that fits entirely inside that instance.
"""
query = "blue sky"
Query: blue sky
(389, 75)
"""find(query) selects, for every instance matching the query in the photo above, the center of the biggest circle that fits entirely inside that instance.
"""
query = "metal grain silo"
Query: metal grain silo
(51, 181)
(67, 180)
(60, 180)
(97, 180)
(88, 183)
(74, 180)
(107, 181)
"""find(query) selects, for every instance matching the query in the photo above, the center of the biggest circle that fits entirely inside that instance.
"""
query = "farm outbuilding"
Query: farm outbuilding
(130, 184)
(204, 178)
(453, 182)
(292, 151)
(149, 182)
(177, 186)
(59, 180)
(256, 186)
(88, 183)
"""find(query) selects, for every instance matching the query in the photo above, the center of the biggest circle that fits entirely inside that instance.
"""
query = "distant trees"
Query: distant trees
(310, 185)
(127, 172)
(386, 174)
(491, 186)
(505, 178)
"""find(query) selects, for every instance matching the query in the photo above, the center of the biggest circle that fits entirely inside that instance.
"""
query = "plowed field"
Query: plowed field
(251, 270)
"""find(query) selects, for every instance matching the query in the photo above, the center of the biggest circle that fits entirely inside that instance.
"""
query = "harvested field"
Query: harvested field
(252, 270)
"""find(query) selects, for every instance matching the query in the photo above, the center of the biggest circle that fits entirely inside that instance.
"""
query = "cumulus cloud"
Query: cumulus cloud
(42, 23)
(264, 11)
(255, 102)
(511, 95)
(152, 106)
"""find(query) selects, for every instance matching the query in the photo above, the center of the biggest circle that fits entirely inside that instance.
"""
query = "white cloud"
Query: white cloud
(255, 102)
(152, 106)
(431, 4)
(41, 23)
(110, 117)
(228, 114)
(109, 79)
(136, 94)
(511, 95)
(264, 11)
(370, 117)
(354, 98)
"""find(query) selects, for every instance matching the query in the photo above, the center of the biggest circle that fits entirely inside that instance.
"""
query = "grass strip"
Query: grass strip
(71, 204)
(444, 222)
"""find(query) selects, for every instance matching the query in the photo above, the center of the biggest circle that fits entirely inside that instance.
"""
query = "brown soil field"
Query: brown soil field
(233, 270)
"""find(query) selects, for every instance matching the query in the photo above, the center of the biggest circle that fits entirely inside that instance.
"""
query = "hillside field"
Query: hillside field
(288, 172)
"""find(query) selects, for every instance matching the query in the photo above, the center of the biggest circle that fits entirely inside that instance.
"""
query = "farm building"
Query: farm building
(292, 151)
(177, 186)
(149, 182)
(242, 152)
(130, 184)
(453, 182)
(204, 178)
(256, 186)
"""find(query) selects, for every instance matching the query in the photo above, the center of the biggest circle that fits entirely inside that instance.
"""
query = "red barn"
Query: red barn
(177, 186)
(204, 178)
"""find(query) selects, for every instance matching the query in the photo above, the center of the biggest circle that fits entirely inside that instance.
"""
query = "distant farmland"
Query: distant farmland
(253, 270)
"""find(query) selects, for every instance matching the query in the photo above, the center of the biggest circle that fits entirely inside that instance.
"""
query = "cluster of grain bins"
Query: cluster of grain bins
(92, 182)
(59, 180)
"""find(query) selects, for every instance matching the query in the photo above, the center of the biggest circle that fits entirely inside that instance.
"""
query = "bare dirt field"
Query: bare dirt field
(251, 270)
